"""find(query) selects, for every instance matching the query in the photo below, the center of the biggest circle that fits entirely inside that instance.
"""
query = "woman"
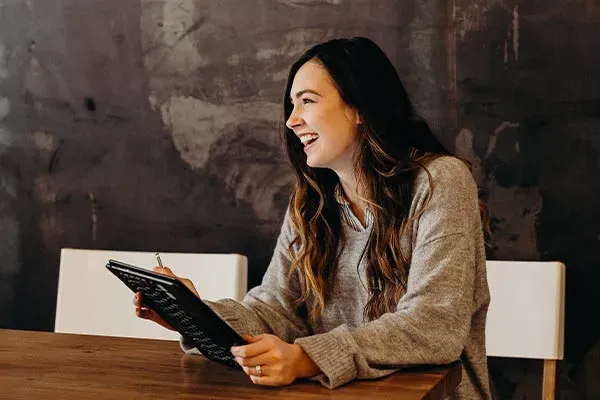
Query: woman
(380, 262)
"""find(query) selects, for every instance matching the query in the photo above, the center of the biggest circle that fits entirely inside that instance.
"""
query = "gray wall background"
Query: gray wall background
(154, 125)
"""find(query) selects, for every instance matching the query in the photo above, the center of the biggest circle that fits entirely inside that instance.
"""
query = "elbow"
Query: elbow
(446, 352)
(440, 343)
(447, 347)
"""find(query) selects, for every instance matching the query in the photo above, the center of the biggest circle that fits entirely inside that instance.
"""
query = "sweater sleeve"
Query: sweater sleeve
(268, 308)
(432, 320)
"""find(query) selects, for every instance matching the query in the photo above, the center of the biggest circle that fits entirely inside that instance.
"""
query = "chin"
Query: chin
(314, 163)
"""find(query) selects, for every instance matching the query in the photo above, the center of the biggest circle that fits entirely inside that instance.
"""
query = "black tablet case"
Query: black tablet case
(183, 310)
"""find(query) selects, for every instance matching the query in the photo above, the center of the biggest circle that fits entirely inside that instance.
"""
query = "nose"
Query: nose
(294, 120)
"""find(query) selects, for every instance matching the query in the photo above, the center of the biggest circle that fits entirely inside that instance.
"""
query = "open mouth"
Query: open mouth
(308, 139)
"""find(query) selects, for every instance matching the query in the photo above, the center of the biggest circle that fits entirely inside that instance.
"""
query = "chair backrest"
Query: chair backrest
(526, 314)
(91, 300)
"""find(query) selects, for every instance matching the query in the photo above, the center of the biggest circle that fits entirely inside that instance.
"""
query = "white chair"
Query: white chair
(526, 314)
(91, 300)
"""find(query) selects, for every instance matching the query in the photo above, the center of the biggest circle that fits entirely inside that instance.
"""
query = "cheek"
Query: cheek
(331, 122)
(345, 133)
(317, 120)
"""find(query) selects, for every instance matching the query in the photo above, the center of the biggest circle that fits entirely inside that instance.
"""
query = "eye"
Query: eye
(306, 100)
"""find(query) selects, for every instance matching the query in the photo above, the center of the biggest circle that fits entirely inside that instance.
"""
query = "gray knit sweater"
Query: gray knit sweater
(441, 317)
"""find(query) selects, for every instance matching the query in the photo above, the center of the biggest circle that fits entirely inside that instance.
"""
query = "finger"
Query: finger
(252, 349)
(247, 338)
(264, 380)
(137, 299)
(256, 338)
(263, 359)
(164, 270)
(167, 271)
(143, 312)
(251, 371)
(148, 313)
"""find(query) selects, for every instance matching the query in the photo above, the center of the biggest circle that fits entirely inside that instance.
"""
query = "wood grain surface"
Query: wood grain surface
(44, 365)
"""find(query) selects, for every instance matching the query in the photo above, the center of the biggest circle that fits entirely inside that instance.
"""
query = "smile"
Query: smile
(309, 145)
(308, 139)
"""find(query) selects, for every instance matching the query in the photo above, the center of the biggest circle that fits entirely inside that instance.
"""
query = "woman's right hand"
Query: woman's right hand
(145, 312)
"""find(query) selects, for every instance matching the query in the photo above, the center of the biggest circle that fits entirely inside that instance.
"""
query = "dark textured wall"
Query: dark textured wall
(153, 125)
(528, 93)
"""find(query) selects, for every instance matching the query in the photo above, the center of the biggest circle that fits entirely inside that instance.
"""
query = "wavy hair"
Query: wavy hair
(394, 144)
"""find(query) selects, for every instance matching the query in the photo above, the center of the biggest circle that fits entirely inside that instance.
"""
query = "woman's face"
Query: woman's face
(323, 122)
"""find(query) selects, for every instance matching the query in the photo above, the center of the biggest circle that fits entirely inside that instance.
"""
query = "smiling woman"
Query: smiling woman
(380, 262)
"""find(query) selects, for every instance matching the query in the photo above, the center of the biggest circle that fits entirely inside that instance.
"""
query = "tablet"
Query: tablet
(183, 310)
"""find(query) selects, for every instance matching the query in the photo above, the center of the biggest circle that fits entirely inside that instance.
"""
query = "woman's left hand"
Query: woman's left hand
(270, 361)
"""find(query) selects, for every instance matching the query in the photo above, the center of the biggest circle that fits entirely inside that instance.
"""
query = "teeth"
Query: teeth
(307, 138)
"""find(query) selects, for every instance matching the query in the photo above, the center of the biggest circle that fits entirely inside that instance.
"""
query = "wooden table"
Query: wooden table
(43, 365)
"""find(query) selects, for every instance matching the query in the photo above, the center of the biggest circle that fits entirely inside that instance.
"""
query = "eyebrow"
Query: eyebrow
(301, 92)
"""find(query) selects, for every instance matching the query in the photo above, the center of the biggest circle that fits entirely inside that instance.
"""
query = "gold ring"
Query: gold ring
(258, 369)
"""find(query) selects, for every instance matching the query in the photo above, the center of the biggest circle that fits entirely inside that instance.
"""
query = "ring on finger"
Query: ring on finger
(258, 370)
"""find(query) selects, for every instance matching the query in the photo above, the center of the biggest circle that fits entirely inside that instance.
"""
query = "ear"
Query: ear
(358, 118)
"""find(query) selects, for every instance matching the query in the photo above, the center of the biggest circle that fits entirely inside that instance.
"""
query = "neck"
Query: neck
(353, 193)
(355, 197)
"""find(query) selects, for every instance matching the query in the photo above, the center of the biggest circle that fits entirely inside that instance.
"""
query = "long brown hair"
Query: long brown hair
(393, 145)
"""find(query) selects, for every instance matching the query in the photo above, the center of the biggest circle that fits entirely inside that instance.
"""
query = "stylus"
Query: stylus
(160, 264)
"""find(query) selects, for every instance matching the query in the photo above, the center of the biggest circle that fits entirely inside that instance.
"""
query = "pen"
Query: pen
(160, 264)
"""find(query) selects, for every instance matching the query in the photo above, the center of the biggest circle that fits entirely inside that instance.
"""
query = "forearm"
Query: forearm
(258, 314)
(380, 348)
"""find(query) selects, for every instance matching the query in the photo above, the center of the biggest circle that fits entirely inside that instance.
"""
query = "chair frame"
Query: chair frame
(530, 295)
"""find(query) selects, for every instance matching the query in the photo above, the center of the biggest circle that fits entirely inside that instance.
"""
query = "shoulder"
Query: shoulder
(445, 199)
(444, 173)
(446, 189)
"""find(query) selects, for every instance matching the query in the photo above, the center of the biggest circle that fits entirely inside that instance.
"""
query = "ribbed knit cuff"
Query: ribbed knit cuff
(334, 361)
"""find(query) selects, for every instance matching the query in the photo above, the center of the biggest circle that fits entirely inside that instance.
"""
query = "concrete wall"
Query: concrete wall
(154, 124)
